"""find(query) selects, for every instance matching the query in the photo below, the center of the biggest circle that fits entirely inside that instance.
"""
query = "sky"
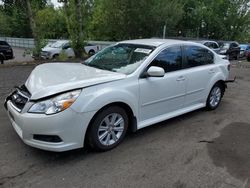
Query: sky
(56, 4)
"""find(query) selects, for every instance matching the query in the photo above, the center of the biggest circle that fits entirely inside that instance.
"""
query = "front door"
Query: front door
(159, 96)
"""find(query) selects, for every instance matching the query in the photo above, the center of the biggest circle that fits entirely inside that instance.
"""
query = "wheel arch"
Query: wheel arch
(132, 127)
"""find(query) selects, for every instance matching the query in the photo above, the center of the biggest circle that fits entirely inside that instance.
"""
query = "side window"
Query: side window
(234, 45)
(169, 59)
(215, 45)
(197, 56)
(3, 43)
(208, 44)
(66, 46)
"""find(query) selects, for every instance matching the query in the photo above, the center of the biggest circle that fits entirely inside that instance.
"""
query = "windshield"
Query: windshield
(225, 45)
(57, 44)
(122, 58)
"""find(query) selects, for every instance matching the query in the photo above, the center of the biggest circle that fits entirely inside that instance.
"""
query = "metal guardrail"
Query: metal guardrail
(29, 42)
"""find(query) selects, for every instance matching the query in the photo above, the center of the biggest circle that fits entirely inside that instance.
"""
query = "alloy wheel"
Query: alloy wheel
(110, 129)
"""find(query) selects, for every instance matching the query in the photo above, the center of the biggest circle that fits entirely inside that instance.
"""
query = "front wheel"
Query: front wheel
(108, 128)
(214, 97)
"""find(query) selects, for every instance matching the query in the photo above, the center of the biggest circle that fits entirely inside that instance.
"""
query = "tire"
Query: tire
(91, 52)
(103, 134)
(248, 58)
(55, 56)
(215, 96)
(1, 59)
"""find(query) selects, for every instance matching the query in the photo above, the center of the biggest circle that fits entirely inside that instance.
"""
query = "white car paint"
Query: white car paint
(49, 52)
(151, 99)
(65, 76)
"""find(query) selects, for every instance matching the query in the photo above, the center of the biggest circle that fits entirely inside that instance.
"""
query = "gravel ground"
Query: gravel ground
(199, 149)
(19, 56)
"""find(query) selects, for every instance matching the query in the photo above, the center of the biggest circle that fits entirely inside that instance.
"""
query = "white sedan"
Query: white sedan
(53, 50)
(129, 85)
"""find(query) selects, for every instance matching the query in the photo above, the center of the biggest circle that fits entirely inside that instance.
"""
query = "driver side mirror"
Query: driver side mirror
(155, 72)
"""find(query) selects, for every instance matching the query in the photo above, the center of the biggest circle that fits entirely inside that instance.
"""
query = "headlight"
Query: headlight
(56, 104)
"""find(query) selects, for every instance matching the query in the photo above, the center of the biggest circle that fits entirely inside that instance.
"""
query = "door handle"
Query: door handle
(180, 78)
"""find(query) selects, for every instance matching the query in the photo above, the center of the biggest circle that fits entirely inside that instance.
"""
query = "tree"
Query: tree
(221, 19)
(128, 19)
(54, 27)
(74, 10)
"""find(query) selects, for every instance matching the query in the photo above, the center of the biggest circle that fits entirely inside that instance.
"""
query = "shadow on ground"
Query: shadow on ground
(231, 150)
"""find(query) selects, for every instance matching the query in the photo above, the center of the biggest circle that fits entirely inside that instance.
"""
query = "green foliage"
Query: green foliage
(5, 27)
(36, 51)
(116, 20)
(62, 56)
(220, 19)
(76, 19)
(51, 23)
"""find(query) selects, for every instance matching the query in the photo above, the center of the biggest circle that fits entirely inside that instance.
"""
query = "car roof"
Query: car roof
(203, 41)
(229, 41)
(155, 42)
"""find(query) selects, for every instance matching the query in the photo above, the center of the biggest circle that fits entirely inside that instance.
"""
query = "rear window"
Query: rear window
(198, 56)
(4, 43)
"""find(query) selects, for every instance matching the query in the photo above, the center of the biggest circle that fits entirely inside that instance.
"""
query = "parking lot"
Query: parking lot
(199, 149)
(20, 56)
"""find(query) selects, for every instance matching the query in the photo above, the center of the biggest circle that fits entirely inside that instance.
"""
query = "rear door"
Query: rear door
(159, 96)
(199, 66)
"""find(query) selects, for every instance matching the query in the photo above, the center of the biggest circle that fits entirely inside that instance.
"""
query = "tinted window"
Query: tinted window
(211, 45)
(234, 45)
(169, 59)
(4, 43)
(197, 56)
(214, 45)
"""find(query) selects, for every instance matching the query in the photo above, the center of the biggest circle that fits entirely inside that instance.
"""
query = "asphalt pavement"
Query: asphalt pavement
(22, 55)
(199, 149)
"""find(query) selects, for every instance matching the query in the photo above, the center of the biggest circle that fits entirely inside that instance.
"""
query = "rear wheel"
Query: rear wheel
(91, 52)
(215, 96)
(108, 128)
(55, 56)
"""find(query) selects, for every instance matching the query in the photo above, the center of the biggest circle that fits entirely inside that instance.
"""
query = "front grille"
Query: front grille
(19, 97)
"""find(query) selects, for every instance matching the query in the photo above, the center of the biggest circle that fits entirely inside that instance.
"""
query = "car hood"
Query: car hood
(53, 78)
(49, 49)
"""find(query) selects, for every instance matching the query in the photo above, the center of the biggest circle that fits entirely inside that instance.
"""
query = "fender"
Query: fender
(217, 77)
(97, 97)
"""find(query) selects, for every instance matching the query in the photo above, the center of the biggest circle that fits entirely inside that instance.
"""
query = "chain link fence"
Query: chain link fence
(29, 42)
